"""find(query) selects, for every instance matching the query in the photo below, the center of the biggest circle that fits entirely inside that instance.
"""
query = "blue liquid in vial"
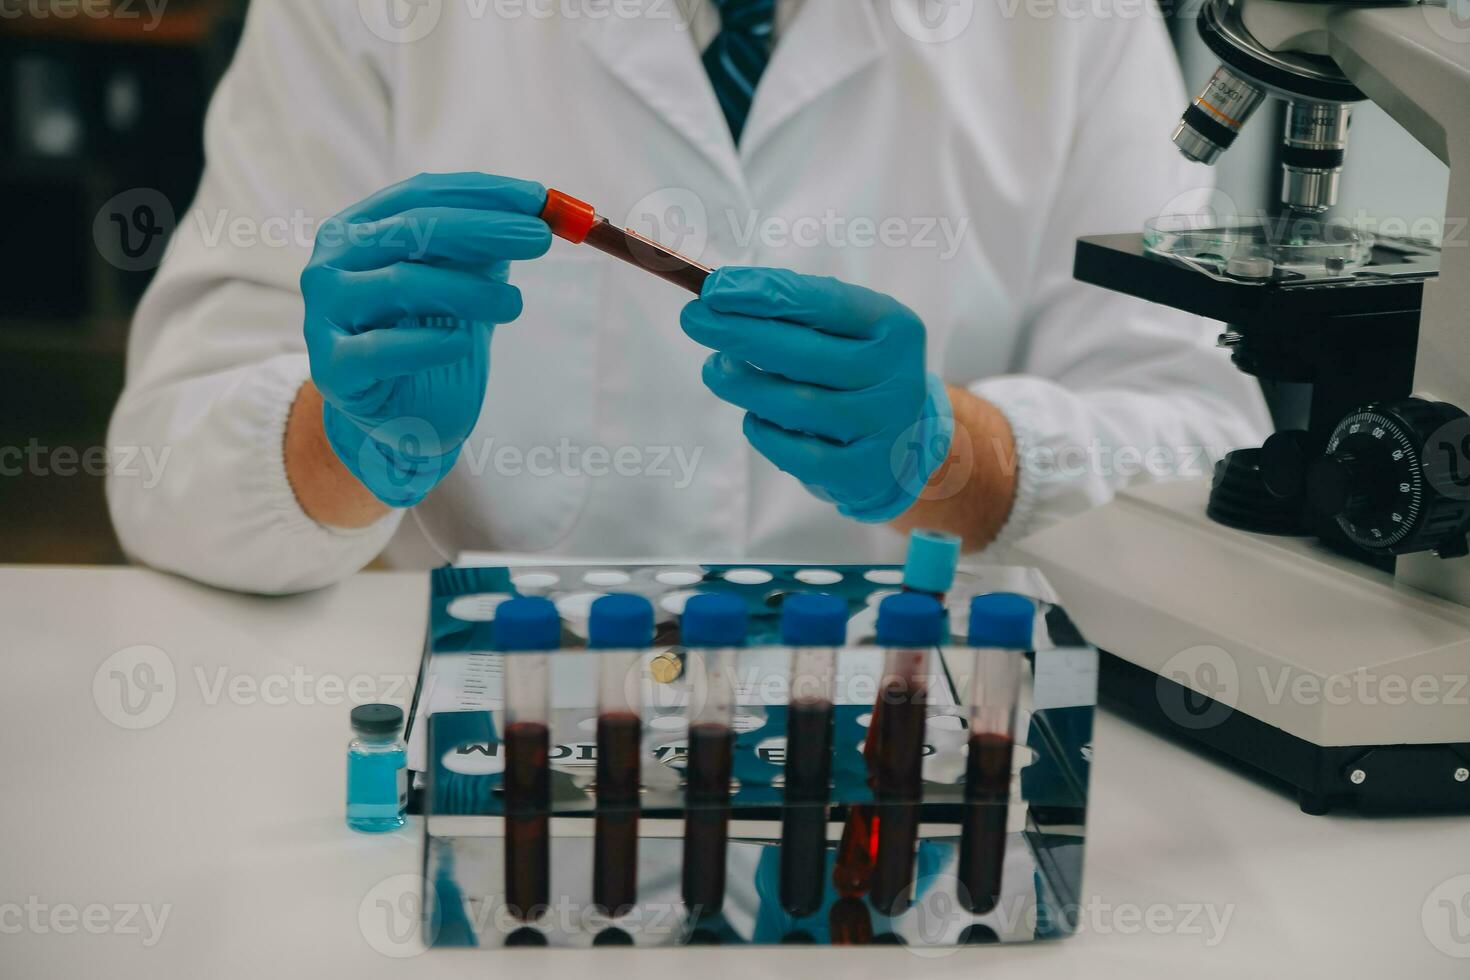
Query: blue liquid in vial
(376, 786)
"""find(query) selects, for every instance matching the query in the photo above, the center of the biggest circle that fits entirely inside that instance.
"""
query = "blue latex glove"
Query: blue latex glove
(833, 382)
(402, 292)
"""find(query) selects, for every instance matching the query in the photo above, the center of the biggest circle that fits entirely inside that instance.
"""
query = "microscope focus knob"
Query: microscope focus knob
(1396, 477)
(1341, 483)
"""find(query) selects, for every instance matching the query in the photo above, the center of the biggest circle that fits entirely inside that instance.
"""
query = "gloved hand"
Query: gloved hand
(402, 292)
(833, 381)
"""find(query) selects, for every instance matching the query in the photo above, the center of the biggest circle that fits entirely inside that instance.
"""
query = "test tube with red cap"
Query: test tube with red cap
(526, 630)
(712, 629)
(578, 222)
(910, 625)
(620, 630)
(1000, 633)
(814, 626)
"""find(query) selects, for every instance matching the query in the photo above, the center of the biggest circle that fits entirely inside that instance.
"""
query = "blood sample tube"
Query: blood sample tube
(1000, 633)
(578, 222)
(909, 626)
(620, 629)
(526, 629)
(712, 628)
(929, 569)
(814, 625)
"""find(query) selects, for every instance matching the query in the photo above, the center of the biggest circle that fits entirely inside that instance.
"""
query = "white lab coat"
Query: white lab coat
(597, 435)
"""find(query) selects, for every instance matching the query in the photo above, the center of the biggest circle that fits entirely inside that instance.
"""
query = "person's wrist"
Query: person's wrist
(325, 489)
(397, 479)
(973, 492)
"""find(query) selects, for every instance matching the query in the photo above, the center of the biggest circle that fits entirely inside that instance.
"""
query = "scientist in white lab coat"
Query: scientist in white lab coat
(923, 169)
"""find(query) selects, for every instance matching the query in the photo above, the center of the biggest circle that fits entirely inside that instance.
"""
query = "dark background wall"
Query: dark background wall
(95, 101)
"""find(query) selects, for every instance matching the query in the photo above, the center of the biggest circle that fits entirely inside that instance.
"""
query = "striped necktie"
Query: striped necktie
(736, 58)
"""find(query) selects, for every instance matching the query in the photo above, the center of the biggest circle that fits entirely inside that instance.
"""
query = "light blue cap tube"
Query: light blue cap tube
(932, 559)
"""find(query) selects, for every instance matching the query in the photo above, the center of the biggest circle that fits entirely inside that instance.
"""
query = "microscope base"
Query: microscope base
(1306, 666)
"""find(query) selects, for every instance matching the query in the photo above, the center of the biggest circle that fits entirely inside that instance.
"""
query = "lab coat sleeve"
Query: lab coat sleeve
(1108, 390)
(297, 131)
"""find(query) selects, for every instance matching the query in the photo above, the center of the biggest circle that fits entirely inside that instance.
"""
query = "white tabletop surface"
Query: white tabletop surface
(199, 832)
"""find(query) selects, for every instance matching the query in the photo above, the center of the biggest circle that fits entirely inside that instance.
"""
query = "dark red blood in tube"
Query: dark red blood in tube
(527, 799)
(615, 868)
(578, 222)
(983, 834)
(804, 820)
(707, 820)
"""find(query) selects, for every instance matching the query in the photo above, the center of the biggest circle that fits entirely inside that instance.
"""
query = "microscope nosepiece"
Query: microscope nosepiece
(1212, 122)
(1312, 154)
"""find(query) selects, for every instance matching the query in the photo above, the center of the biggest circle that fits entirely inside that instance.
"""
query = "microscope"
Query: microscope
(1306, 613)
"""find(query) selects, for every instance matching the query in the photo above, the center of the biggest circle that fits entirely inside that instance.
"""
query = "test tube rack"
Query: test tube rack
(457, 743)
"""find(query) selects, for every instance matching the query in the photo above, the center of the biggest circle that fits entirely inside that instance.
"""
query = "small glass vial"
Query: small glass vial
(377, 773)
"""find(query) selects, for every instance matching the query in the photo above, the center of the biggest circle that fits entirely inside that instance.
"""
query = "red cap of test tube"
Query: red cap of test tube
(568, 217)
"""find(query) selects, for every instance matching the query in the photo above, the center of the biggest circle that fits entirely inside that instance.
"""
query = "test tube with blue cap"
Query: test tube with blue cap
(929, 568)
(1001, 626)
(712, 629)
(814, 626)
(526, 631)
(620, 629)
(910, 625)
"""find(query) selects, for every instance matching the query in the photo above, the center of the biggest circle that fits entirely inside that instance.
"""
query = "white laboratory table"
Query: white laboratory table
(198, 832)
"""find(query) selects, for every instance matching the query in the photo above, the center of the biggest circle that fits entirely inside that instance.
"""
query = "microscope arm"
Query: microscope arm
(1415, 63)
